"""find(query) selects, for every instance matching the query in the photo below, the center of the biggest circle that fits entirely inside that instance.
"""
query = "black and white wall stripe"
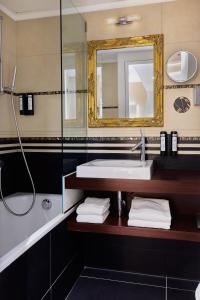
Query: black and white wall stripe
(110, 145)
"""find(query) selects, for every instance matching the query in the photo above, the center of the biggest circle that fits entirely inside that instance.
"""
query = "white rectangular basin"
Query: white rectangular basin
(116, 168)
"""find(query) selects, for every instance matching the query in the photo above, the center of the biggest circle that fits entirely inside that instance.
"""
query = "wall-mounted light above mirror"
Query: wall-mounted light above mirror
(126, 82)
(181, 66)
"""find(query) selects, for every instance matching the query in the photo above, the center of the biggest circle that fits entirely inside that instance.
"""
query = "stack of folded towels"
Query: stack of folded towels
(93, 210)
(152, 213)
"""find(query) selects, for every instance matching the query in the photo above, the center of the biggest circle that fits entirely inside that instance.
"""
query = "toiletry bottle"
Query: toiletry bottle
(21, 105)
(174, 143)
(163, 143)
(30, 106)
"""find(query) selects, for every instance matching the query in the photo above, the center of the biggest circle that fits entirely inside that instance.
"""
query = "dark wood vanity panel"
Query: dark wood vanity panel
(163, 182)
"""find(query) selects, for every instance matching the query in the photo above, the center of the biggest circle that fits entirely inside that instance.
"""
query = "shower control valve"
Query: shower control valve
(46, 204)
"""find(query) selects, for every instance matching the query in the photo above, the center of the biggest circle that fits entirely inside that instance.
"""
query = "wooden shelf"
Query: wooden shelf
(182, 186)
(163, 182)
(183, 228)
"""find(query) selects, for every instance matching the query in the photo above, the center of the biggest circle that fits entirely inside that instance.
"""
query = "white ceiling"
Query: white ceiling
(28, 9)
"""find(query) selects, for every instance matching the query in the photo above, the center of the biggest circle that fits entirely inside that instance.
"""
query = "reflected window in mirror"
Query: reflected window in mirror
(70, 94)
(125, 87)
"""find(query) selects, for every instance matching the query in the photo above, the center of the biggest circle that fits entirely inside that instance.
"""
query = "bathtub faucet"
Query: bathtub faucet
(141, 145)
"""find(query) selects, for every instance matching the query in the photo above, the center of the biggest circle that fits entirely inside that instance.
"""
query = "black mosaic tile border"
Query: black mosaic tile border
(48, 93)
(93, 140)
(113, 140)
(181, 86)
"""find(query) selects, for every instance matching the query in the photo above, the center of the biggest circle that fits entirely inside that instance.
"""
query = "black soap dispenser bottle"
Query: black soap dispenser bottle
(174, 143)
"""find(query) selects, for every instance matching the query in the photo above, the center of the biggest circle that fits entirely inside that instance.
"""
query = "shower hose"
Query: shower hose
(24, 157)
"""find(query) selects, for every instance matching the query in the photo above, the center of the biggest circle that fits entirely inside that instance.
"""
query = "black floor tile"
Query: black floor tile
(183, 264)
(180, 295)
(125, 276)
(182, 284)
(99, 289)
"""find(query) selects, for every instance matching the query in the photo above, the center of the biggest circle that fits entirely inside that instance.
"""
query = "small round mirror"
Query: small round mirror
(181, 66)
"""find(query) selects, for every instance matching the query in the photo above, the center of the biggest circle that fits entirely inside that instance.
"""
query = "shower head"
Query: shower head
(13, 79)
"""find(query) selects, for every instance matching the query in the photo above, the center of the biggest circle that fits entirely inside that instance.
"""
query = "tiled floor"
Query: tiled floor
(96, 284)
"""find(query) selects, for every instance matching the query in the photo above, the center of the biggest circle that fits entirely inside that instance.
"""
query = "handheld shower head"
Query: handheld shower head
(13, 79)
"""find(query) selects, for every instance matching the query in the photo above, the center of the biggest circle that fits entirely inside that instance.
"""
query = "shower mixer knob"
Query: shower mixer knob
(46, 204)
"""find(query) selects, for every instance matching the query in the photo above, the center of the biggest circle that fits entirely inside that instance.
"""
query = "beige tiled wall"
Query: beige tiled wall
(9, 60)
(38, 62)
(34, 46)
(179, 21)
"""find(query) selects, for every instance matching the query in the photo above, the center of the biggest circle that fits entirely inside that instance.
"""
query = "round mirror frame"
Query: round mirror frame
(193, 74)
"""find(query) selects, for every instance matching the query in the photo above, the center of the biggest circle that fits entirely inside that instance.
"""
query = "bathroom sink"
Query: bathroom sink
(116, 168)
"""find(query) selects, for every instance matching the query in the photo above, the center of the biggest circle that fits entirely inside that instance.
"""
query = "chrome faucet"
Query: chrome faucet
(141, 145)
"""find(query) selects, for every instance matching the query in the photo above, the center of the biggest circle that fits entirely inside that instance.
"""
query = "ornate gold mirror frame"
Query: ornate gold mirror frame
(151, 40)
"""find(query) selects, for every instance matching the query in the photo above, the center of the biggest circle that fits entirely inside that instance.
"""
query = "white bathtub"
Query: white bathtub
(17, 234)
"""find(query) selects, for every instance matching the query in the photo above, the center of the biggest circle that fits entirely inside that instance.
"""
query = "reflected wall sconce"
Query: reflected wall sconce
(124, 20)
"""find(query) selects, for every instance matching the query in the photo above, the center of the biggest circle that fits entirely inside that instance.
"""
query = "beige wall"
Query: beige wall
(38, 62)
(179, 22)
(34, 46)
(9, 60)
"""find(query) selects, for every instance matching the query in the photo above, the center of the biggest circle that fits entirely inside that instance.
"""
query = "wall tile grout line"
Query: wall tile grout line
(125, 272)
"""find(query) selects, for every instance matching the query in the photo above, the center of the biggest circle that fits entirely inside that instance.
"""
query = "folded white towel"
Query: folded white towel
(197, 292)
(92, 208)
(148, 224)
(93, 200)
(149, 209)
(92, 218)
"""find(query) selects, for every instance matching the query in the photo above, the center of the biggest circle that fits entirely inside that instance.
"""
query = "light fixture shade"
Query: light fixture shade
(123, 20)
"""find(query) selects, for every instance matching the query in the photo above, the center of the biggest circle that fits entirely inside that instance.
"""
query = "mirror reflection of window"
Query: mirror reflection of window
(139, 94)
(99, 93)
(125, 83)
(70, 94)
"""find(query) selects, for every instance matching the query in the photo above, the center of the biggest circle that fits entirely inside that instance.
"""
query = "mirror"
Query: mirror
(125, 82)
(181, 66)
